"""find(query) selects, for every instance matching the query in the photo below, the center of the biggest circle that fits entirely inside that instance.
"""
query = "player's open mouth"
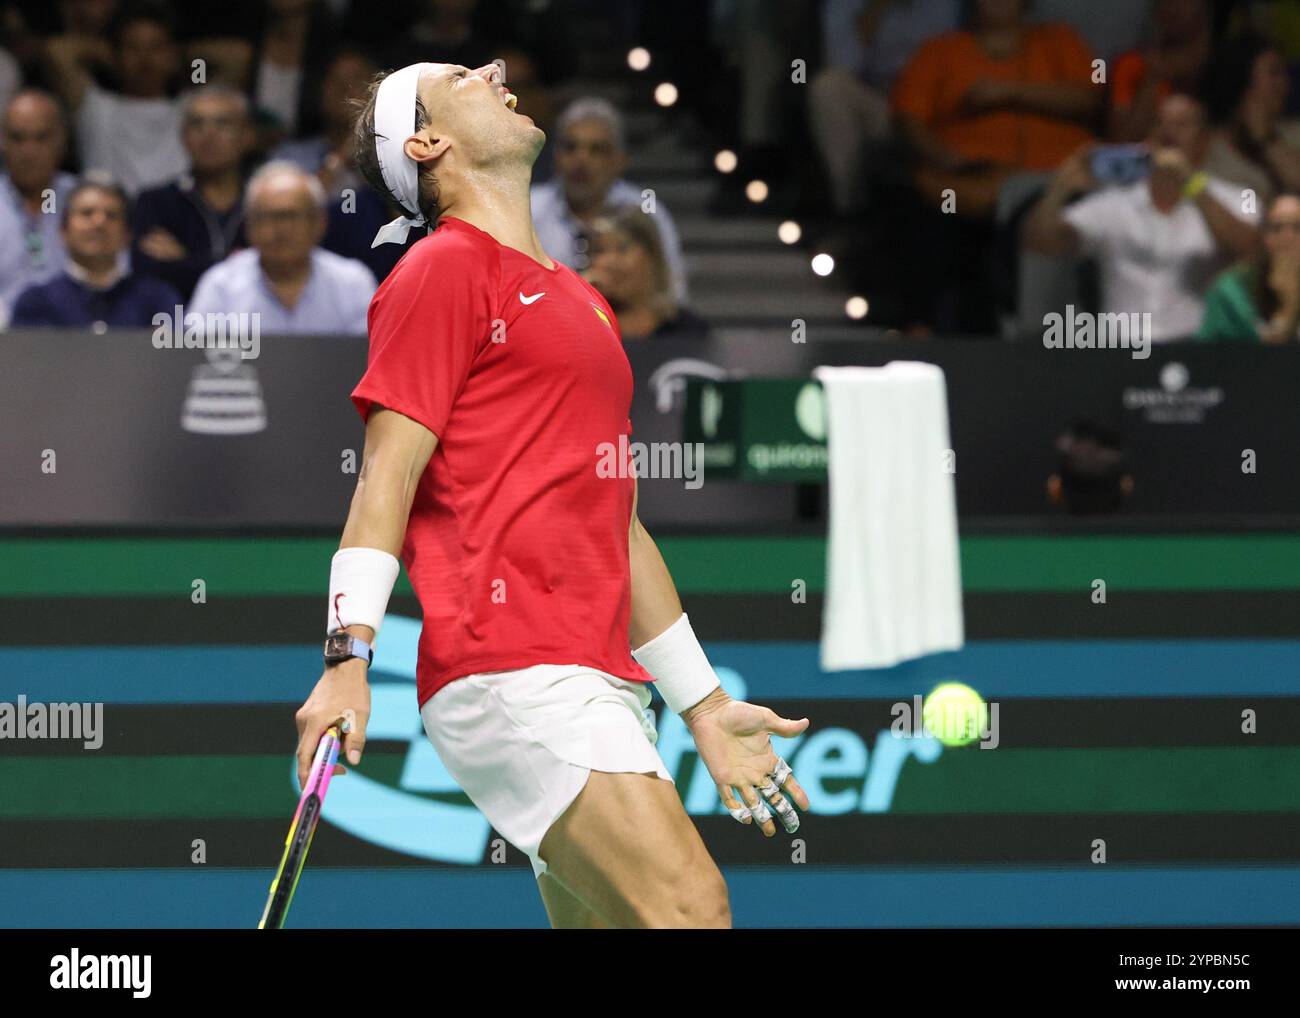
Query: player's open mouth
(510, 99)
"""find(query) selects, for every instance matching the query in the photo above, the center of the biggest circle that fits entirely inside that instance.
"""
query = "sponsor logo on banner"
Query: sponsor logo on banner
(224, 397)
(669, 379)
(809, 413)
(848, 769)
(1175, 401)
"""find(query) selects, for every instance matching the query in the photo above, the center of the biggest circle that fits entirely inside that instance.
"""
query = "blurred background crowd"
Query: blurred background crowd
(953, 167)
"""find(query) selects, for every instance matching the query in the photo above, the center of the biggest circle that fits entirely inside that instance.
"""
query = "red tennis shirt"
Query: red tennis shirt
(517, 540)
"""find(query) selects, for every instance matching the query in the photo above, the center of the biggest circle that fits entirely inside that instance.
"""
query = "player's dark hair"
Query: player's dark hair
(1092, 466)
(367, 158)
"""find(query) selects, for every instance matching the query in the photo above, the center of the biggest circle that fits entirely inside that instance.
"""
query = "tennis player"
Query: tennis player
(495, 390)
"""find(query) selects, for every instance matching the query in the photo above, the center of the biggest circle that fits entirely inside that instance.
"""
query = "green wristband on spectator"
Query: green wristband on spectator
(1195, 184)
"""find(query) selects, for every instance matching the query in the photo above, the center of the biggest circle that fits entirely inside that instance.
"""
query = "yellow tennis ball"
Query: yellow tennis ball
(954, 714)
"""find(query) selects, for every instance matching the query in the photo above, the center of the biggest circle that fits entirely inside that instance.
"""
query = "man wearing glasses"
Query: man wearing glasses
(590, 157)
(183, 228)
(293, 284)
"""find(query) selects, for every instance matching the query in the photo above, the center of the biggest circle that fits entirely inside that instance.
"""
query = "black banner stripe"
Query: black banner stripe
(850, 840)
(238, 729)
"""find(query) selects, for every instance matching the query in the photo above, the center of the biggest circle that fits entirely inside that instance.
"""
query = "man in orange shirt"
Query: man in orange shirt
(980, 104)
(977, 106)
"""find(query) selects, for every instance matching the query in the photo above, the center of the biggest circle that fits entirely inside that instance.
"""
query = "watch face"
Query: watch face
(338, 647)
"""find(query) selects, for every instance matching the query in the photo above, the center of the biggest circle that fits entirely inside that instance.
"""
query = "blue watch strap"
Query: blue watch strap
(352, 646)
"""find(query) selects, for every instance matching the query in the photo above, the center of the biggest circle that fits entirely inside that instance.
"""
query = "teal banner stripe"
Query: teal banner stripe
(760, 897)
(1047, 668)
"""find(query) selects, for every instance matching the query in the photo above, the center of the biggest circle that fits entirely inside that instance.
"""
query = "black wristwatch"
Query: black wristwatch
(341, 645)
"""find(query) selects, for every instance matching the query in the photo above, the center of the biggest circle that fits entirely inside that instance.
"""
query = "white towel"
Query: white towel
(893, 574)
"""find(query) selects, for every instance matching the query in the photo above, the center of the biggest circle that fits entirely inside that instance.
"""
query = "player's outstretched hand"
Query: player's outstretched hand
(734, 741)
(342, 696)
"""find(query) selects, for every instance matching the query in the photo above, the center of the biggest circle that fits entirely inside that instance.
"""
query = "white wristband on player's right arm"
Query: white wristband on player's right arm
(677, 663)
(361, 581)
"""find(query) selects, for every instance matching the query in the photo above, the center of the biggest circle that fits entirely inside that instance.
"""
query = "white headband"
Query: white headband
(394, 123)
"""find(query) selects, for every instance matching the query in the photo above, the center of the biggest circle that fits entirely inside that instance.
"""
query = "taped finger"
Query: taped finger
(757, 807)
(735, 807)
(781, 771)
(784, 810)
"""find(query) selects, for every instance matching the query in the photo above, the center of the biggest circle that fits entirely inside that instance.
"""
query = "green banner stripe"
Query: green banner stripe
(220, 787)
(968, 780)
(132, 565)
(240, 566)
(1168, 780)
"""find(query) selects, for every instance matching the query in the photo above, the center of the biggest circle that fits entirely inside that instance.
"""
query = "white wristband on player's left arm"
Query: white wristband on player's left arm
(361, 581)
(678, 665)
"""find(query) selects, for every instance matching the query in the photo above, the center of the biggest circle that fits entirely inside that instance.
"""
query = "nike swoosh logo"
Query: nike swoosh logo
(529, 300)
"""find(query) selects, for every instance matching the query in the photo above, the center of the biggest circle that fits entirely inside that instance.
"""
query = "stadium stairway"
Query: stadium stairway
(739, 271)
(741, 276)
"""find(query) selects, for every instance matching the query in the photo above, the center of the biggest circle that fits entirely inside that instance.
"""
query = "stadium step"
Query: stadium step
(769, 306)
(740, 273)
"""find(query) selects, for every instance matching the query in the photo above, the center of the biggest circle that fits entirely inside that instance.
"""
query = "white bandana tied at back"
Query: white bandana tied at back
(394, 123)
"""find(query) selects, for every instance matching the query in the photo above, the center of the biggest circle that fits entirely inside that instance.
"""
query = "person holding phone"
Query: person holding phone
(1159, 240)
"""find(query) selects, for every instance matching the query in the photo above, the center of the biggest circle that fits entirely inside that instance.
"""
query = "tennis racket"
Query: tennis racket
(301, 831)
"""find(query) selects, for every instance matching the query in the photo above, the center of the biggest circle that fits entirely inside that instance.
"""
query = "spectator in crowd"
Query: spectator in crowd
(33, 192)
(184, 227)
(26, 27)
(976, 107)
(629, 268)
(1253, 145)
(293, 48)
(1175, 59)
(1259, 300)
(980, 104)
(1158, 242)
(590, 158)
(134, 134)
(1092, 474)
(329, 153)
(866, 44)
(353, 218)
(285, 277)
(95, 287)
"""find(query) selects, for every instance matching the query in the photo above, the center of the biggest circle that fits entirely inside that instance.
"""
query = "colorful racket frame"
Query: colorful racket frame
(301, 832)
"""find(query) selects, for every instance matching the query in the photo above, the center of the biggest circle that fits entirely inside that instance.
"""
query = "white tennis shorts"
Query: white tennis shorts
(521, 743)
